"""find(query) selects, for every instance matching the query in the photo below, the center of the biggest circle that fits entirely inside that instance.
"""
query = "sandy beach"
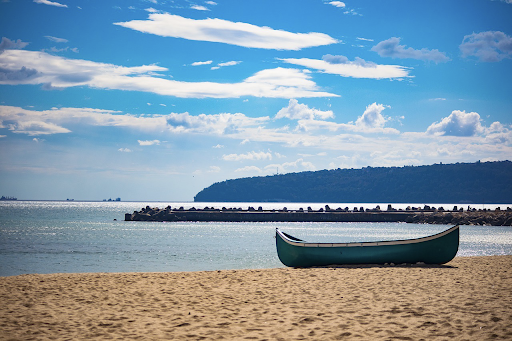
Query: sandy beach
(470, 298)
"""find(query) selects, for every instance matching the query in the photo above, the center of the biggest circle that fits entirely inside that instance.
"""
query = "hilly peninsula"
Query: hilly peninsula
(463, 183)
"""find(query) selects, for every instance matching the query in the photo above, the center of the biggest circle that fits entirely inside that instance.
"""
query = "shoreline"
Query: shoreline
(468, 298)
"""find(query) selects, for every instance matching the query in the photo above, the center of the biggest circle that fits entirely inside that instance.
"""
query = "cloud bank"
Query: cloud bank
(227, 32)
(54, 72)
(57, 121)
(460, 134)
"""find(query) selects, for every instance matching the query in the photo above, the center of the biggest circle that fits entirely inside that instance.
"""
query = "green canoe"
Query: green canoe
(436, 249)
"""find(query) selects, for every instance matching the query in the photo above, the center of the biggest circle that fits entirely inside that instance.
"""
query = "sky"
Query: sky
(154, 100)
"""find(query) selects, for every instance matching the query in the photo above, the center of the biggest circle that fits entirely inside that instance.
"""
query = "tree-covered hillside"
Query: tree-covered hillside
(481, 182)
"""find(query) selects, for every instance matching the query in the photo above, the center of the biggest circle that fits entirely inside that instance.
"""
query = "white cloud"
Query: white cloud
(352, 11)
(34, 128)
(308, 125)
(231, 63)
(359, 68)
(56, 40)
(372, 117)
(282, 83)
(459, 123)
(296, 111)
(219, 146)
(149, 143)
(497, 133)
(32, 123)
(284, 80)
(228, 32)
(124, 150)
(364, 39)
(62, 72)
(199, 8)
(54, 72)
(51, 3)
(489, 46)
(338, 4)
(392, 48)
(248, 156)
(214, 169)
(202, 63)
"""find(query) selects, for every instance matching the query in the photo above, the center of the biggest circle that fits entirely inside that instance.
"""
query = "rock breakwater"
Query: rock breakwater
(427, 215)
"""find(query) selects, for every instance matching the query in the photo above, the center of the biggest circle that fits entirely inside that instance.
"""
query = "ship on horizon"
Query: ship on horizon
(8, 198)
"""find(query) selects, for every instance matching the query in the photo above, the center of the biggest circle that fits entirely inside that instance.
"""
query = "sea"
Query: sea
(77, 237)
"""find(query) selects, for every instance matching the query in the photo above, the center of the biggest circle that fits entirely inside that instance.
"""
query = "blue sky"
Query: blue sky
(157, 99)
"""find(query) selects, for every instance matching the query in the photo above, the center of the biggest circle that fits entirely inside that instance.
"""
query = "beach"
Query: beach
(470, 298)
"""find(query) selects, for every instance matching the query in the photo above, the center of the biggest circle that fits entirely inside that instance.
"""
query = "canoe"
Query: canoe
(436, 249)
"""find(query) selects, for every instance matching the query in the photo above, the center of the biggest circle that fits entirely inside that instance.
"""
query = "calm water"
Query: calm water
(51, 237)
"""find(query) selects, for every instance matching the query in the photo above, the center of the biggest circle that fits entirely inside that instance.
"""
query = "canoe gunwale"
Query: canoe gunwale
(302, 243)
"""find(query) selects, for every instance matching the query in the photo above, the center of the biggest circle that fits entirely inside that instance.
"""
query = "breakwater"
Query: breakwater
(428, 215)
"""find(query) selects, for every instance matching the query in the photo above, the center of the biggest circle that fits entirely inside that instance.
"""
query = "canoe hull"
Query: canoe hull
(436, 249)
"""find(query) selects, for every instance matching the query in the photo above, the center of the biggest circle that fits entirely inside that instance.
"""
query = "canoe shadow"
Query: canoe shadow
(384, 266)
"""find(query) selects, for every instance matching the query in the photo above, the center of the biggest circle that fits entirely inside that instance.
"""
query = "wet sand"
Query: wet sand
(470, 298)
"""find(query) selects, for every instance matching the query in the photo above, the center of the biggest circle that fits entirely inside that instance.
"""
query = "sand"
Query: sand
(468, 299)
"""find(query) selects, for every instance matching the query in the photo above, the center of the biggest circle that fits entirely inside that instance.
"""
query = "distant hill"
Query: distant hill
(480, 182)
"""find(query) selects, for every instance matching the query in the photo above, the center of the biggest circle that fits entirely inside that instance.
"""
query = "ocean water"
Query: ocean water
(63, 237)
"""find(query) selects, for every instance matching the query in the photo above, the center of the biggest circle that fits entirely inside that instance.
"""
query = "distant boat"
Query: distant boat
(8, 198)
(436, 249)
